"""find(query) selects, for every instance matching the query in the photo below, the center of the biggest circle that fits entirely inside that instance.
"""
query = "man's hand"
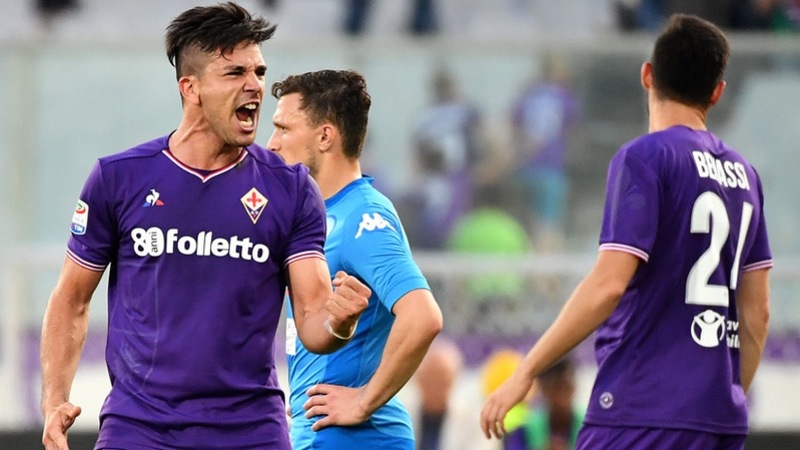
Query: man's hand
(337, 404)
(56, 423)
(350, 298)
(511, 392)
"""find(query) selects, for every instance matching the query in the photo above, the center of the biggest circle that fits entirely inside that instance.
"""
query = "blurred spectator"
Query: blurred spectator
(651, 15)
(446, 142)
(550, 421)
(495, 301)
(271, 4)
(542, 119)
(785, 15)
(435, 377)
(491, 231)
(49, 10)
(423, 17)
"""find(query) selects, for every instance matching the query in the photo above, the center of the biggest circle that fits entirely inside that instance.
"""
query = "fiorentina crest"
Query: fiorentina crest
(254, 203)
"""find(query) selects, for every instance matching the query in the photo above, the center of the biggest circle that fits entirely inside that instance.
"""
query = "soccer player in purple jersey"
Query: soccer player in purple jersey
(679, 294)
(202, 232)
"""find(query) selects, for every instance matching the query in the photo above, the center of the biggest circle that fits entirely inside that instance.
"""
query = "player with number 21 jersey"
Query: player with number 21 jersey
(691, 209)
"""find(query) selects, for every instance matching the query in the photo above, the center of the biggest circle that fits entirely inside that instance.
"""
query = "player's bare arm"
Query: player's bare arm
(418, 321)
(325, 316)
(64, 331)
(592, 302)
(752, 303)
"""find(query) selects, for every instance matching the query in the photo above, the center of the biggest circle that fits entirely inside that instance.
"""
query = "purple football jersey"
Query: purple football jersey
(668, 356)
(196, 284)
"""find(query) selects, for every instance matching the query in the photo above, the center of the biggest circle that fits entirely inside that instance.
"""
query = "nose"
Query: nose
(253, 83)
(273, 143)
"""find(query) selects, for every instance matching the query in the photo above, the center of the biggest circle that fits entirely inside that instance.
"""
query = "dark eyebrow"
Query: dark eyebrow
(238, 68)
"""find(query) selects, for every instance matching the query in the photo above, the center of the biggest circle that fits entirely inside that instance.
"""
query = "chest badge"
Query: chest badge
(254, 203)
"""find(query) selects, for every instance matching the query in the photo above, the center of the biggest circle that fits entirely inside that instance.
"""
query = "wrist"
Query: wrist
(364, 407)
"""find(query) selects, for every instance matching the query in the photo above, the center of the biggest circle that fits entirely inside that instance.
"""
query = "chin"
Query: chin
(245, 140)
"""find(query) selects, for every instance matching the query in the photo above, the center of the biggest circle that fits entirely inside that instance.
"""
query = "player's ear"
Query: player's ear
(188, 87)
(646, 75)
(328, 134)
(717, 93)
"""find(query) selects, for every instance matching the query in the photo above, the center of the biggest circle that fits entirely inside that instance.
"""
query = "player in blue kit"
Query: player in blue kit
(201, 231)
(346, 400)
(679, 294)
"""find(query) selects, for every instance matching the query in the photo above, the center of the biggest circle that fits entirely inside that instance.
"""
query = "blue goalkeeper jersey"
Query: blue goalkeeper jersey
(365, 239)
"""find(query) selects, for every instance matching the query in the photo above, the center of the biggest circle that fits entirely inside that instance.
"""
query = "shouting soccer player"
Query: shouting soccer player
(201, 231)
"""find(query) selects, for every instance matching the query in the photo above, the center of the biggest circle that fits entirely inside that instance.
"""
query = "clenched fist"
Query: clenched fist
(350, 298)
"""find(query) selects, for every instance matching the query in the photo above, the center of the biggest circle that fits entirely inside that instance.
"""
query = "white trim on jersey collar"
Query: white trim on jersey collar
(209, 176)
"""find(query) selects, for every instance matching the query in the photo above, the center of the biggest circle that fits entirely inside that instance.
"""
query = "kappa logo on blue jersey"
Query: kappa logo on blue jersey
(376, 222)
(153, 199)
(254, 203)
(80, 218)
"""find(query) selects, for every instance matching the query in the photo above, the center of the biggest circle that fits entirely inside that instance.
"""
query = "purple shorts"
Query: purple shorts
(593, 437)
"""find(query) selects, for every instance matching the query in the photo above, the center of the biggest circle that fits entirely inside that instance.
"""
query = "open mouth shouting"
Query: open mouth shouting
(246, 115)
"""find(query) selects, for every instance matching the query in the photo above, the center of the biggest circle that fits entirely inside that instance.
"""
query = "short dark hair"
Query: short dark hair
(211, 29)
(689, 60)
(336, 96)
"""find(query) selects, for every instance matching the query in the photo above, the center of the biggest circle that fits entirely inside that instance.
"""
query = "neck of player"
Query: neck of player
(335, 173)
(200, 148)
(665, 114)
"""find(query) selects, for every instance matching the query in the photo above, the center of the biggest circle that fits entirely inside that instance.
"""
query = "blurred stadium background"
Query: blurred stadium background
(92, 80)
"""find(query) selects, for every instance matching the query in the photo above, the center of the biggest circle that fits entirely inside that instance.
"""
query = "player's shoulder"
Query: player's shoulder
(147, 149)
(656, 145)
(363, 197)
(362, 205)
(646, 142)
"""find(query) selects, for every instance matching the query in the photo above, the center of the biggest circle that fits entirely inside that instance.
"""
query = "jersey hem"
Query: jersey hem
(668, 424)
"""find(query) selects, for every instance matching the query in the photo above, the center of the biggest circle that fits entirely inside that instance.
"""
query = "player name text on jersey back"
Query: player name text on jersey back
(727, 173)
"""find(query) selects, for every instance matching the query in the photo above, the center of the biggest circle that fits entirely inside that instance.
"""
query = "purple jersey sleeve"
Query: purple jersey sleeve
(630, 218)
(759, 256)
(93, 240)
(308, 232)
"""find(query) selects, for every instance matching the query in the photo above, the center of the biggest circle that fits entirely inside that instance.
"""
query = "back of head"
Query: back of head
(205, 30)
(689, 60)
(336, 96)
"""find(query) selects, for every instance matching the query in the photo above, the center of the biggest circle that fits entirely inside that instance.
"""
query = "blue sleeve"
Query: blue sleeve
(378, 253)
